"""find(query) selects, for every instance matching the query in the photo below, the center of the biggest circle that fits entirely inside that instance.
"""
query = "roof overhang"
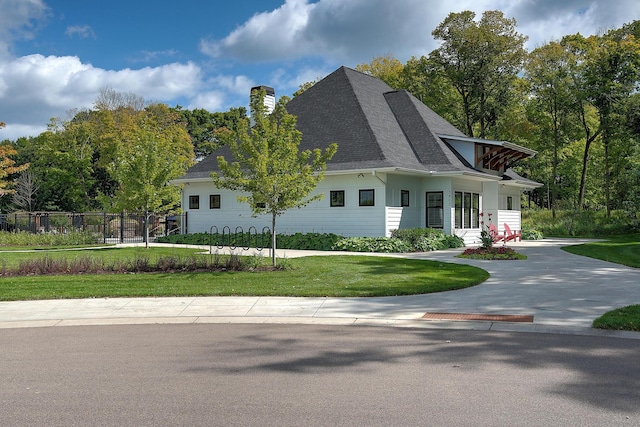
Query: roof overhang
(500, 154)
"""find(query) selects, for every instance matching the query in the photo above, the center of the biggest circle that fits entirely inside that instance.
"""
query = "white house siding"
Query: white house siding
(319, 216)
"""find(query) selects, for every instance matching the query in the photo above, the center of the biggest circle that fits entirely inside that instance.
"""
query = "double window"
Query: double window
(467, 210)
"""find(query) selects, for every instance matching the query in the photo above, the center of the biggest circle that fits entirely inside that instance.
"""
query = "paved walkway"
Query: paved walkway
(563, 292)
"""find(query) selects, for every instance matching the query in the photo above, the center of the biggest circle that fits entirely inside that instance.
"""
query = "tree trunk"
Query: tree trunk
(273, 239)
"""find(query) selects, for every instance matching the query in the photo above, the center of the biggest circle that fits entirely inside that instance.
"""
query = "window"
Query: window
(509, 203)
(214, 201)
(467, 210)
(194, 202)
(404, 198)
(336, 198)
(435, 210)
(367, 197)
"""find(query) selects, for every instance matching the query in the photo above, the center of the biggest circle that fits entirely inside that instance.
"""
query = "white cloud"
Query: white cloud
(355, 31)
(210, 101)
(35, 88)
(82, 31)
(19, 20)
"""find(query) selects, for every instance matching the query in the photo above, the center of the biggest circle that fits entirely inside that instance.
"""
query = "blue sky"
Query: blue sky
(56, 55)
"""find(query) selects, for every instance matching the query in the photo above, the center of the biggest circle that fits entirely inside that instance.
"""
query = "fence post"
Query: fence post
(144, 227)
(104, 227)
(122, 227)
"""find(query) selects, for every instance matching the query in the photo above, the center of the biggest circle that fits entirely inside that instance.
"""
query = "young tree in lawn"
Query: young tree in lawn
(152, 150)
(268, 165)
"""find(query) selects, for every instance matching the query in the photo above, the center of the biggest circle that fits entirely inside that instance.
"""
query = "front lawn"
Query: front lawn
(335, 276)
(623, 250)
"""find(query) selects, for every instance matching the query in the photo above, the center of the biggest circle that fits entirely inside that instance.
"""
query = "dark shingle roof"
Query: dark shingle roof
(373, 125)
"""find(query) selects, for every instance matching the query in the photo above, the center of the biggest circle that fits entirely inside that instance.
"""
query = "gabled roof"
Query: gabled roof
(374, 126)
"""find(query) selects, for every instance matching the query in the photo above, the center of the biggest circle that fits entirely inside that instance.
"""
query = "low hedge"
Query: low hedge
(404, 240)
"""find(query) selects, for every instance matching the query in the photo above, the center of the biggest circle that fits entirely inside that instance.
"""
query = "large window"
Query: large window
(435, 210)
(336, 198)
(367, 198)
(467, 210)
(194, 202)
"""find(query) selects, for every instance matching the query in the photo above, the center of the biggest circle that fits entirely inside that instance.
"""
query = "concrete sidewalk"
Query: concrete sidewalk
(563, 292)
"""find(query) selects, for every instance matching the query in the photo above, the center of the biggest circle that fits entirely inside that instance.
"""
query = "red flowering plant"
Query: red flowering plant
(488, 236)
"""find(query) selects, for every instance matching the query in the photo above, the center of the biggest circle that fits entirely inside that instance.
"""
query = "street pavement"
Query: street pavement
(563, 292)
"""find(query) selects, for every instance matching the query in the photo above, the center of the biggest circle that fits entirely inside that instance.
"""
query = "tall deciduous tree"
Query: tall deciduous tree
(387, 68)
(481, 60)
(612, 72)
(268, 166)
(548, 73)
(8, 166)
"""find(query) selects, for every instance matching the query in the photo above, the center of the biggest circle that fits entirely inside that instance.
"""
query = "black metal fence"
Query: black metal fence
(113, 228)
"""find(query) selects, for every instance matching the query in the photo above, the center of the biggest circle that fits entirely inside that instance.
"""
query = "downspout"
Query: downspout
(379, 179)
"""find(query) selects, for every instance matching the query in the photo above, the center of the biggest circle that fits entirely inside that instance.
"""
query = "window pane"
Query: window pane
(509, 203)
(467, 210)
(337, 198)
(435, 211)
(367, 198)
(214, 201)
(458, 209)
(194, 202)
(475, 211)
(404, 198)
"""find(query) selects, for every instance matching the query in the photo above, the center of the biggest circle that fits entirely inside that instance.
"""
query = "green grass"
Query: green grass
(623, 250)
(338, 276)
(625, 319)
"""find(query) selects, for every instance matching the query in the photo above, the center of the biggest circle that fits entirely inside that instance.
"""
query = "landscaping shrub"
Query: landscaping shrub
(297, 241)
(49, 265)
(492, 253)
(531, 234)
(427, 239)
(372, 244)
(73, 238)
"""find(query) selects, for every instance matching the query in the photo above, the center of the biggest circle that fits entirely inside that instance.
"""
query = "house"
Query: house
(398, 165)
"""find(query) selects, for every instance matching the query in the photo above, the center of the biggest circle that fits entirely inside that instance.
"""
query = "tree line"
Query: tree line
(119, 155)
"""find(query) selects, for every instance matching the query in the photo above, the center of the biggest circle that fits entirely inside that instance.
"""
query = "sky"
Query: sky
(56, 55)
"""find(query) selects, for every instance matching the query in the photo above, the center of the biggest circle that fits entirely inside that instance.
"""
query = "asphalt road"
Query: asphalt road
(302, 375)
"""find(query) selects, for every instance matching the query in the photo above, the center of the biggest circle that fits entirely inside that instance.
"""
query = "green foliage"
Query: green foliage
(621, 319)
(492, 253)
(372, 244)
(531, 234)
(427, 239)
(202, 125)
(481, 60)
(23, 238)
(297, 241)
(577, 223)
